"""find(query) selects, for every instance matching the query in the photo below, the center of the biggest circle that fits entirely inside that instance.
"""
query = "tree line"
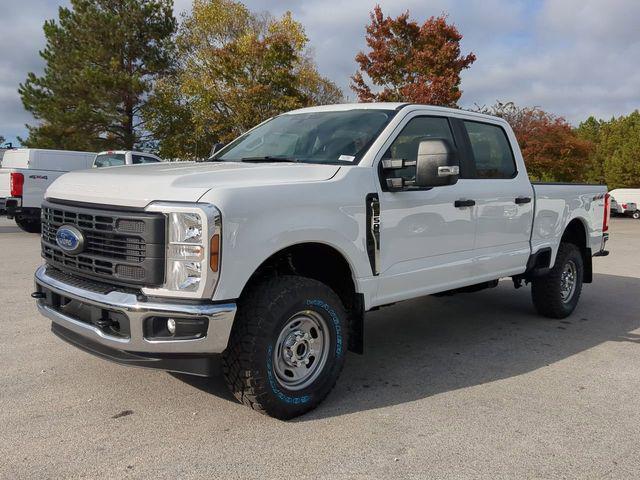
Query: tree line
(126, 74)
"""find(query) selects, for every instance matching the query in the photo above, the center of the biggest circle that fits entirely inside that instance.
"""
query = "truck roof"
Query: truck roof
(138, 152)
(394, 106)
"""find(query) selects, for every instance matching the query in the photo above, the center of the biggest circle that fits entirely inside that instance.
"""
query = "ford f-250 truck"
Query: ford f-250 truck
(268, 255)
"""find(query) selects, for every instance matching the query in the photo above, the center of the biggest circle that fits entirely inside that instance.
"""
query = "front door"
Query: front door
(426, 242)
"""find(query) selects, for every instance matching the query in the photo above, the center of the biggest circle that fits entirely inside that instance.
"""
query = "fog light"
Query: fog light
(170, 329)
(171, 326)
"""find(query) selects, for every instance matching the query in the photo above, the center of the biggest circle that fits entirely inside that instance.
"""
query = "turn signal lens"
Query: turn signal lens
(607, 212)
(214, 260)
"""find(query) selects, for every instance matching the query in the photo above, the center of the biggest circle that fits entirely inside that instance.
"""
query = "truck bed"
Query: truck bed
(557, 204)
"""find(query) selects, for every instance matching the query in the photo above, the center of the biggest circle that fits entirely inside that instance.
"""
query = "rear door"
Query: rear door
(504, 201)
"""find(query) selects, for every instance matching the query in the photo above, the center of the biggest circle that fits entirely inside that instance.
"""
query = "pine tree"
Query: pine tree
(616, 157)
(102, 58)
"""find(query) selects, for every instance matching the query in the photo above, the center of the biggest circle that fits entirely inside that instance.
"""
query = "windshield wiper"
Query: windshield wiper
(269, 159)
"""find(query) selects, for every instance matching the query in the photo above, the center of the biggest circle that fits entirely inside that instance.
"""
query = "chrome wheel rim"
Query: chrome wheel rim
(568, 281)
(301, 350)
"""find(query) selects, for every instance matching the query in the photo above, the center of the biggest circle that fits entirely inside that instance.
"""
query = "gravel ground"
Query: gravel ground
(470, 386)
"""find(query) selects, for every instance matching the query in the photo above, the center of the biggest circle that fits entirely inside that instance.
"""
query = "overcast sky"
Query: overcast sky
(572, 57)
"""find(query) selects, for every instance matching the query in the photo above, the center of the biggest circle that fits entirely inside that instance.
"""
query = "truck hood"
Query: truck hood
(139, 185)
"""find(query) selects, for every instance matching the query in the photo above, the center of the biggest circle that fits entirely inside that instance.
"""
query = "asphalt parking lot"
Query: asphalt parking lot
(470, 386)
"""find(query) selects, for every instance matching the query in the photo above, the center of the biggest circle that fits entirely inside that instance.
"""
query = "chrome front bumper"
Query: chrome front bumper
(220, 317)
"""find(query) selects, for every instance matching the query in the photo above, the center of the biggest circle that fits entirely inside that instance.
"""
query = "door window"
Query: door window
(405, 146)
(491, 150)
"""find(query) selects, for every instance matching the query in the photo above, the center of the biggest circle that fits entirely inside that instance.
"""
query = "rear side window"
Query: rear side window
(491, 150)
(109, 160)
(143, 159)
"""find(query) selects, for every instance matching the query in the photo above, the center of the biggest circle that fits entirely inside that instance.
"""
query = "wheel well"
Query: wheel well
(325, 264)
(576, 234)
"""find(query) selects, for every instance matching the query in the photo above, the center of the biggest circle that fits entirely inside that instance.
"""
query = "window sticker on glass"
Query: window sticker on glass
(346, 158)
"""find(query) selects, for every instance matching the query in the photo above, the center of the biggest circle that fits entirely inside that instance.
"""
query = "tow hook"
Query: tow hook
(38, 295)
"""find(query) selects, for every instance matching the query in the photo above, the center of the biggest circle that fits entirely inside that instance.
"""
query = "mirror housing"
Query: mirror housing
(437, 163)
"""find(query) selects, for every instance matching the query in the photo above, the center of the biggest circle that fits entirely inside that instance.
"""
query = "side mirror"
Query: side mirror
(437, 163)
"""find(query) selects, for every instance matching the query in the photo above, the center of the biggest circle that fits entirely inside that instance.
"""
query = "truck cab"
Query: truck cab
(267, 257)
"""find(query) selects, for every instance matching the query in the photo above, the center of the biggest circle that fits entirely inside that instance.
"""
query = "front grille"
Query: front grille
(109, 245)
(124, 248)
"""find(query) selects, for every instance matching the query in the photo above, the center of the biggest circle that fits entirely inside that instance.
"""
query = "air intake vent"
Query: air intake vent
(129, 272)
(130, 226)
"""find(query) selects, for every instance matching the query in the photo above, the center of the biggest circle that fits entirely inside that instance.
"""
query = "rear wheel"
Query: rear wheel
(636, 214)
(27, 224)
(556, 294)
(287, 346)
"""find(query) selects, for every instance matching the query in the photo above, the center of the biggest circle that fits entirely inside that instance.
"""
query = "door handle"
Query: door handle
(521, 200)
(464, 203)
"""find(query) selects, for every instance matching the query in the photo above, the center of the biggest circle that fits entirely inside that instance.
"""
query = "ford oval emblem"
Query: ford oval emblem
(70, 239)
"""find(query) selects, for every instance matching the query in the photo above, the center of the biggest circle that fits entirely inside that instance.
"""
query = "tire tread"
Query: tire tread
(246, 383)
(545, 289)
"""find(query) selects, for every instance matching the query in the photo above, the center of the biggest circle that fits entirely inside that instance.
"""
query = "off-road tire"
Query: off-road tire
(546, 290)
(28, 225)
(247, 363)
(636, 214)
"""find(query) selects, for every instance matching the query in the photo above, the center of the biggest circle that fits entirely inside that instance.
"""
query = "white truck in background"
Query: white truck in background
(626, 201)
(27, 172)
(267, 256)
(25, 175)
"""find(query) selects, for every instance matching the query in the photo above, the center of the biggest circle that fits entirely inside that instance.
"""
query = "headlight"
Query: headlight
(185, 228)
(185, 251)
(193, 249)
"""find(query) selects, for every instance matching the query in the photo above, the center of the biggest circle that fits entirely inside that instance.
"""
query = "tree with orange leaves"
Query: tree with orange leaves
(409, 62)
(551, 148)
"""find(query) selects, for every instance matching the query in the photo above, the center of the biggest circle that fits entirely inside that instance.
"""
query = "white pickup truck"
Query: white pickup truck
(268, 256)
(26, 173)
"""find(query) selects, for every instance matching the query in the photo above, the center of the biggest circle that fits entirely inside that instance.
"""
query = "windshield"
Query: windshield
(319, 137)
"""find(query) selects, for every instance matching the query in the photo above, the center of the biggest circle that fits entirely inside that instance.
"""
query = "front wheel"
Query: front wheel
(287, 346)
(556, 294)
(29, 225)
(636, 214)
